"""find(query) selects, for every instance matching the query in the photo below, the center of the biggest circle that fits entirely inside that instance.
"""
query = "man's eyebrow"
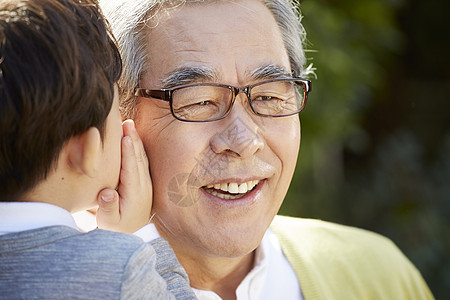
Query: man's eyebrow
(188, 75)
(270, 72)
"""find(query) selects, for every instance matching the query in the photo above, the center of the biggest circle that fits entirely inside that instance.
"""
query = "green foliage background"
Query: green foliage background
(375, 147)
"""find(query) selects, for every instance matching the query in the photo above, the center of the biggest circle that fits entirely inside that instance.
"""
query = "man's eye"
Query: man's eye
(193, 103)
(203, 103)
(264, 98)
(197, 104)
(267, 98)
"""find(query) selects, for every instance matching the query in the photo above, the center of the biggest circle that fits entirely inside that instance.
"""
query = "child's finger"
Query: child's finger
(129, 129)
(135, 195)
(108, 215)
(129, 171)
(141, 159)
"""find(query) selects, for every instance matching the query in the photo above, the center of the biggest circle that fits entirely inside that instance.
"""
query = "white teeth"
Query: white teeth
(233, 187)
(243, 188)
(224, 187)
(224, 196)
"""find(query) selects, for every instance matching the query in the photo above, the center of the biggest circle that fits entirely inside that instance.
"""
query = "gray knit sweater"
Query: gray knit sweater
(59, 262)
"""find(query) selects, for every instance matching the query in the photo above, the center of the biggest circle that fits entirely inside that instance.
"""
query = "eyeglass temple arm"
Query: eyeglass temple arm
(157, 94)
(307, 84)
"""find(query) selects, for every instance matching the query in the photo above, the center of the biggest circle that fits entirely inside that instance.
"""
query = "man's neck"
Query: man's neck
(220, 275)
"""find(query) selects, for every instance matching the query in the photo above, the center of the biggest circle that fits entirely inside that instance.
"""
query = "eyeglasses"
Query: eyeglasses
(205, 102)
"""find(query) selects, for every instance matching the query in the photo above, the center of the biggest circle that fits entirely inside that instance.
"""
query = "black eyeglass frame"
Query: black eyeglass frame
(167, 95)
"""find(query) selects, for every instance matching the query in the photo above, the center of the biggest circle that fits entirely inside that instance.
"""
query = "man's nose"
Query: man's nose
(239, 134)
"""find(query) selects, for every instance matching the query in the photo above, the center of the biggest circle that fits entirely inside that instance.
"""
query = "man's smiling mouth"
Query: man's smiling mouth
(231, 190)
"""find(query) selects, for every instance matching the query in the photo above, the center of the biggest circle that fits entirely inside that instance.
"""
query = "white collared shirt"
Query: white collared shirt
(22, 216)
(272, 277)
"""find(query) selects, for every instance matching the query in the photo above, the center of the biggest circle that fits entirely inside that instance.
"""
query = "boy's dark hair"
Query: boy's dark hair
(58, 66)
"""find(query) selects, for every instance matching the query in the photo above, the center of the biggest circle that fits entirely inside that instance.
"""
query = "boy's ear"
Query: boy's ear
(85, 152)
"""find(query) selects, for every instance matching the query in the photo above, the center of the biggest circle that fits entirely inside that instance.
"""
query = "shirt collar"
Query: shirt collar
(22, 216)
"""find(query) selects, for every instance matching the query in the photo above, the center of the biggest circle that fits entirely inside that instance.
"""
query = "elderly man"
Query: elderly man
(215, 88)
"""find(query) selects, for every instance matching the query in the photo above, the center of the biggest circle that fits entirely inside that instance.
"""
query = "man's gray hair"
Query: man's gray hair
(130, 21)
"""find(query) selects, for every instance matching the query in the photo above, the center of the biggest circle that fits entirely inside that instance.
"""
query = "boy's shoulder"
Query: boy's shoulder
(67, 241)
(60, 260)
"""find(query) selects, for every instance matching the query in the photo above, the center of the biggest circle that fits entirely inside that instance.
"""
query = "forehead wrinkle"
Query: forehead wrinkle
(270, 71)
(188, 75)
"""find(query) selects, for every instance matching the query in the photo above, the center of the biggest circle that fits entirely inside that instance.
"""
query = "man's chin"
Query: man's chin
(235, 243)
(235, 249)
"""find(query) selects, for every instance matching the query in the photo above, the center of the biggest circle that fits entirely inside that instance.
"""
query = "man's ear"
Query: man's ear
(85, 152)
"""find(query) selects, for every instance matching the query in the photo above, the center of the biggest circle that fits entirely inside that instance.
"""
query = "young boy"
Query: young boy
(60, 144)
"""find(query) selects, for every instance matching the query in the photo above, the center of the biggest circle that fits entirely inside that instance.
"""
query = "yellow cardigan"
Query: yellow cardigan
(339, 262)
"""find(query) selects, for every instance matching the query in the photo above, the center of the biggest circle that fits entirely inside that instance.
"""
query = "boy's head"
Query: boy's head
(58, 66)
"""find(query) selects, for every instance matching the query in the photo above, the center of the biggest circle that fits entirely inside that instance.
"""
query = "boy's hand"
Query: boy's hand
(129, 209)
